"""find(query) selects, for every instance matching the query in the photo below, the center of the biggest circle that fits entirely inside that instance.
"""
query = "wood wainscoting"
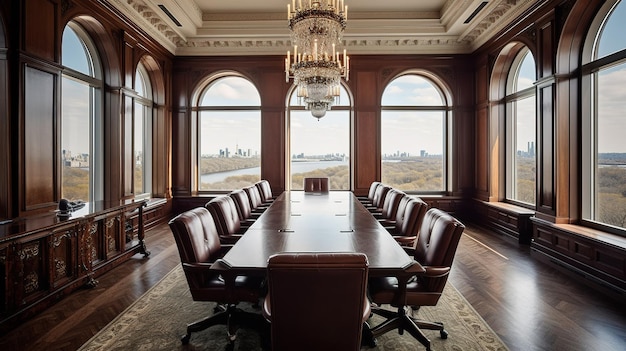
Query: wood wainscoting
(597, 257)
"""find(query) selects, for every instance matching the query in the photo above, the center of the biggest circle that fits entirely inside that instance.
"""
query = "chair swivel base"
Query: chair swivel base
(229, 315)
(401, 321)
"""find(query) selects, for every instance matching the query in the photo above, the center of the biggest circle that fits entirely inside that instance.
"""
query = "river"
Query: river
(296, 167)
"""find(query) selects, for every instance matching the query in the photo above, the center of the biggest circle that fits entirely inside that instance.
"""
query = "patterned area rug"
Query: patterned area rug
(158, 319)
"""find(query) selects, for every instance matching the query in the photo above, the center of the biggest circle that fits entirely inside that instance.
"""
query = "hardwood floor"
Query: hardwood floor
(530, 305)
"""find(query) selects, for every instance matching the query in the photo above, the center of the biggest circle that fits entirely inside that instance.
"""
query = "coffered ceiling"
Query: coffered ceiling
(259, 27)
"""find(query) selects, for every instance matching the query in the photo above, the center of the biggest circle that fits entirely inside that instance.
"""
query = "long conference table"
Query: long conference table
(321, 222)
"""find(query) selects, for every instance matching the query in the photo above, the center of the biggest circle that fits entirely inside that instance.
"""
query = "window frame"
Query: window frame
(349, 107)
(447, 120)
(589, 70)
(196, 115)
(147, 102)
(95, 82)
(511, 97)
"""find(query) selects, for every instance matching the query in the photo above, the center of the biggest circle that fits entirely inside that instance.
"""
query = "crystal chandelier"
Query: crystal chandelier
(317, 66)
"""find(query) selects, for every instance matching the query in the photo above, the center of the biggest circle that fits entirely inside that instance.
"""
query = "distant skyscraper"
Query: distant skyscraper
(531, 148)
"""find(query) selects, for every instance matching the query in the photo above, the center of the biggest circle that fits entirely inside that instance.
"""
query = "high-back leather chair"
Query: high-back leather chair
(316, 185)
(434, 249)
(317, 301)
(367, 200)
(265, 190)
(390, 223)
(254, 195)
(407, 226)
(390, 205)
(379, 198)
(242, 202)
(224, 212)
(199, 248)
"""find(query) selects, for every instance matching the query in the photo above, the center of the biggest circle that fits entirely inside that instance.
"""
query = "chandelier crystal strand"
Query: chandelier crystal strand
(316, 65)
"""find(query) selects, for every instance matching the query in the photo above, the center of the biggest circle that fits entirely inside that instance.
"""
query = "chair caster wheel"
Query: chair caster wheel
(185, 339)
(443, 334)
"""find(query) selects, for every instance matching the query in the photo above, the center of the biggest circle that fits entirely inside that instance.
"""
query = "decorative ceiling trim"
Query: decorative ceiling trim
(497, 19)
(411, 32)
(430, 45)
(141, 14)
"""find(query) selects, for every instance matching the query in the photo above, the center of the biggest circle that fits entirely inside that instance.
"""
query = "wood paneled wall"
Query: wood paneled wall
(368, 77)
(5, 122)
(30, 100)
(554, 31)
(538, 32)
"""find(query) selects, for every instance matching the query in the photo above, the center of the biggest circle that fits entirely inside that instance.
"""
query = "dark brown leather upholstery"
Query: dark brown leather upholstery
(435, 248)
(379, 198)
(265, 190)
(390, 223)
(390, 205)
(407, 226)
(317, 301)
(242, 203)
(199, 248)
(254, 195)
(367, 200)
(316, 185)
(224, 212)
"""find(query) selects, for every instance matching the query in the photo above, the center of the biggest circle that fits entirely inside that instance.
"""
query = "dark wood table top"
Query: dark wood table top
(313, 222)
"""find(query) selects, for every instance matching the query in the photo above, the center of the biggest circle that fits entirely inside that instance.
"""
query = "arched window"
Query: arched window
(81, 122)
(414, 129)
(604, 145)
(228, 128)
(521, 129)
(320, 147)
(142, 131)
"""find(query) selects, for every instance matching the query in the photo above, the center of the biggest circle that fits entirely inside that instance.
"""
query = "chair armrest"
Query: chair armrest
(230, 239)
(435, 271)
(405, 241)
(197, 267)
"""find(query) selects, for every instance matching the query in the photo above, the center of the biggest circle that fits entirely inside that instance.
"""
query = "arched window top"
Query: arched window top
(78, 52)
(142, 82)
(523, 74)
(611, 37)
(413, 90)
(230, 90)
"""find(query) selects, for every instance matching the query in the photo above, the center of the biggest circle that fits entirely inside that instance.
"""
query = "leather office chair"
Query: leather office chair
(367, 200)
(408, 225)
(316, 185)
(224, 212)
(199, 248)
(317, 301)
(254, 195)
(265, 190)
(379, 198)
(434, 249)
(390, 223)
(242, 202)
(390, 205)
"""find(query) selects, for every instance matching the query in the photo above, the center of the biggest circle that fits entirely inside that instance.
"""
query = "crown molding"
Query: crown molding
(266, 33)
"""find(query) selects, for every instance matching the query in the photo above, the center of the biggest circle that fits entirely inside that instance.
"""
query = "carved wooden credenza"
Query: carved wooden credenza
(45, 257)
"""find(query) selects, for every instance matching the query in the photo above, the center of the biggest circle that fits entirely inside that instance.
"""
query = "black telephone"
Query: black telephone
(66, 206)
